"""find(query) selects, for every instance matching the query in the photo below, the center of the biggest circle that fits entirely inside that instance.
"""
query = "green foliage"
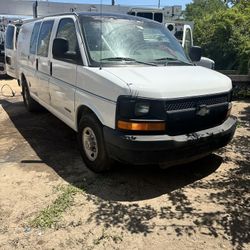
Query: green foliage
(198, 8)
(224, 34)
(53, 213)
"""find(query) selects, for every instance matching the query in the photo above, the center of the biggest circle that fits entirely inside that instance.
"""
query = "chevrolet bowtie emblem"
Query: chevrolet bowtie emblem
(202, 110)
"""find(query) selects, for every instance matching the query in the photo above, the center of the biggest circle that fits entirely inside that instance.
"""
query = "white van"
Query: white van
(12, 32)
(2, 61)
(2, 52)
(125, 85)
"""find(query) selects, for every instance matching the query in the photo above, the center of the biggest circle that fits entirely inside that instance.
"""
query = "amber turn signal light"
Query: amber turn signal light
(141, 126)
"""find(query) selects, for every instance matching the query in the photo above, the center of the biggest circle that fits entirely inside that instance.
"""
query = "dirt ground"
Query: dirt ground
(50, 200)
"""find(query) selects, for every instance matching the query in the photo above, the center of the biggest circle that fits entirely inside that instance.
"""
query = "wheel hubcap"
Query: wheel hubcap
(90, 143)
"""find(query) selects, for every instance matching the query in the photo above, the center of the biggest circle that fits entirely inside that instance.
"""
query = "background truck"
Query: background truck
(2, 52)
(172, 18)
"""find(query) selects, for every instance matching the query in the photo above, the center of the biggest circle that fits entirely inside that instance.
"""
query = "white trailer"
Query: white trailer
(172, 19)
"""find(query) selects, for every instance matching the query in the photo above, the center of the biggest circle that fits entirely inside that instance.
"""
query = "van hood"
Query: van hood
(171, 81)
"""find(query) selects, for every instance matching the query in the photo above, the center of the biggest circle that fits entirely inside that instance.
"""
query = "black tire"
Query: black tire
(30, 104)
(101, 162)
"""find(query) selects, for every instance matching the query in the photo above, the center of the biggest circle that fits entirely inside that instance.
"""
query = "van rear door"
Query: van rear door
(10, 50)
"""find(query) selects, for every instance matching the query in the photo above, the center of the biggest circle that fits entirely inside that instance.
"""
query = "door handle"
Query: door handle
(50, 68)
(36, 63)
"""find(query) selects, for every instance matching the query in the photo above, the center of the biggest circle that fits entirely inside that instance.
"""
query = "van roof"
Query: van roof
(104, 14)
(115, 15)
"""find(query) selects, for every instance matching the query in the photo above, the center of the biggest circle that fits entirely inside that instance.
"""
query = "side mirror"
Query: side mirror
(195, 53)
(60, 47)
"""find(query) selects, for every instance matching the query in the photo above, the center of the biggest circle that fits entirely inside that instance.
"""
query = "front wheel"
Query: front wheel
(92, 145)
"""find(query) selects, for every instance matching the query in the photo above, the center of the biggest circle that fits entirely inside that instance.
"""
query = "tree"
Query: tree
(198, 8)
(224, 35)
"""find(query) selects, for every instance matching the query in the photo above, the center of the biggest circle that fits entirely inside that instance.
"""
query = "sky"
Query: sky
(132, 2)
(146, 3)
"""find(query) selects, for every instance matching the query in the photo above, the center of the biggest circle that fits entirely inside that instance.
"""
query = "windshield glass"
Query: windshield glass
(118, 40)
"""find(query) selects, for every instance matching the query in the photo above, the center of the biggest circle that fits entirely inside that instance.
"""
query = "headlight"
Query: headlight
(142, 108)
(140, 114)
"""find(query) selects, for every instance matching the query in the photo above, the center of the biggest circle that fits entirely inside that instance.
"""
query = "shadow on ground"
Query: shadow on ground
(55, 144)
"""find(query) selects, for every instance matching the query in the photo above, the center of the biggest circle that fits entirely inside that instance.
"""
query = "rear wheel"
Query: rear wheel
(92, 145)
(30, 104)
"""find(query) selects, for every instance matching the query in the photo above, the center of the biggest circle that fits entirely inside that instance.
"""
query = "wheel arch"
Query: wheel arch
(85, 110)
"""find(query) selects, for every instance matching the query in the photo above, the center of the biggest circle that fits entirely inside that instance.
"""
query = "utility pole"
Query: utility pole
(159, 3)
(113, 2)
(35, 4)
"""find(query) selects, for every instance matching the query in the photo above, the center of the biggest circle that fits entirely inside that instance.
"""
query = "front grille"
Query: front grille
(182, 116)
(189, 103)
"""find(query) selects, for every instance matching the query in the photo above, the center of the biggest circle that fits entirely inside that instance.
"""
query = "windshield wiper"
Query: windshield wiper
(127, 59)
(166, 60)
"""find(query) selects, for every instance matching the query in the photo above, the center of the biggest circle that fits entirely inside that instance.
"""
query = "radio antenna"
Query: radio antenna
(101, 35)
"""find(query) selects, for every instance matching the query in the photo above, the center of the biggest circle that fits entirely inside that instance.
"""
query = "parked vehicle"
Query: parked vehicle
(182, 30)
(2, 60)
(184, 34)
(126, 86)
(12, 32)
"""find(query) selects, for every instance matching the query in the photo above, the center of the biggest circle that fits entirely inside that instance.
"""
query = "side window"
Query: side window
(10, 37)
(179, 35)
(148, 15)
(34, 36)
(44, 38)
(158, 17)
(188, 41)
(67, 32)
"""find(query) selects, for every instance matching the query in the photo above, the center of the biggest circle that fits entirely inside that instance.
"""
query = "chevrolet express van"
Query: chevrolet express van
(126, 86)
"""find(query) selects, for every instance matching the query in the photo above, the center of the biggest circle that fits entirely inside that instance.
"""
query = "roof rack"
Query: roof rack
(59, 14)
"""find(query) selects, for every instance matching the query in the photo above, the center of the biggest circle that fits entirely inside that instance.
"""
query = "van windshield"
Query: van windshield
(115, 40)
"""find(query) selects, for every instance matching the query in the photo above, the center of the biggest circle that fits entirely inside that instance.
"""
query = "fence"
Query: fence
(241, 83)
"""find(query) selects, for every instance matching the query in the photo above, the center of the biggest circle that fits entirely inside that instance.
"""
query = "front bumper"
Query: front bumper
(165, 149)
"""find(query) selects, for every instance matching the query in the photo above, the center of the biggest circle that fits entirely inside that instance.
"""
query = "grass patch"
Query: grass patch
(52, 214)
(240, 124)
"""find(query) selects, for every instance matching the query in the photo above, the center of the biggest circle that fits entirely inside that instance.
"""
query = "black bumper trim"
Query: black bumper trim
(165, 149)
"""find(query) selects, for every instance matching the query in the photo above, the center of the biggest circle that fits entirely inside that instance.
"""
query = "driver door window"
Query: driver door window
(66, 30)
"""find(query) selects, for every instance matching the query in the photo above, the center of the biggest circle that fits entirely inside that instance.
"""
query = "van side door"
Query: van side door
(64, 69)
(43, 63)
(32, 61)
